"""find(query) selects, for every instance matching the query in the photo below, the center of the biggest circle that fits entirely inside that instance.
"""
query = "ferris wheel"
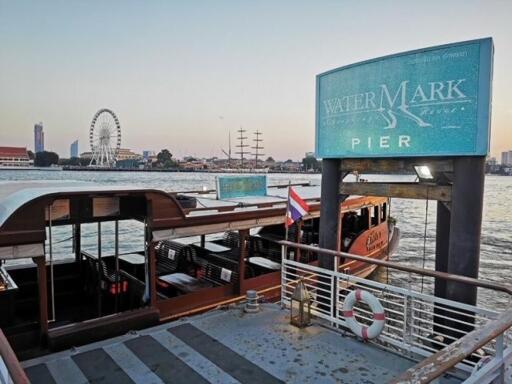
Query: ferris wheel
(105, 138)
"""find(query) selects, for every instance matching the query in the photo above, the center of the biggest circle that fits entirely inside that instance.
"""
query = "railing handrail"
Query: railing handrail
(14, 368)
(453, 354)
(421, 271)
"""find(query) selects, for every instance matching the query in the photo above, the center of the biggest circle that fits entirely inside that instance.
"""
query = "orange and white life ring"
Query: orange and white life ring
(379, 317)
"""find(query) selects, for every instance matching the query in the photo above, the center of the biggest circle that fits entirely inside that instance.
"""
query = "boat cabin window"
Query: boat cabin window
(375, 215)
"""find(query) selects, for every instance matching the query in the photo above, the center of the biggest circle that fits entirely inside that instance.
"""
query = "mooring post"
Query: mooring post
(331, 178)
(466, 225)
(465, 228)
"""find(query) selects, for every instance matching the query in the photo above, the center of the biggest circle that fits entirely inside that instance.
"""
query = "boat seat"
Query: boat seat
(109, 279)
(219, 275)
(264, 263)
(173, 257)
(231, 239)
(185, 283)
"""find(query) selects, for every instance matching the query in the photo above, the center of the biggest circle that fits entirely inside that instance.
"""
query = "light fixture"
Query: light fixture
(423, 172)
(300, 315)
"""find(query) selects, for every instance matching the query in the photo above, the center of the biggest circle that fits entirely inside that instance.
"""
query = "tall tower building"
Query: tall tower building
(38, 138)
(73, 149)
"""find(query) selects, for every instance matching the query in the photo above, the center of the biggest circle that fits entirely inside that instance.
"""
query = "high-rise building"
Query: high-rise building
(506, 158)
(38, 138)
(146, 154)
(73, 149)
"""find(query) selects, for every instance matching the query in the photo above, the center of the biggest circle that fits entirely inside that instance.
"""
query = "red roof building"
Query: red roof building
(14, 157)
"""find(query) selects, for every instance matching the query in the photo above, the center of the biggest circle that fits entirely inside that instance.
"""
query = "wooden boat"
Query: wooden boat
(193, 259)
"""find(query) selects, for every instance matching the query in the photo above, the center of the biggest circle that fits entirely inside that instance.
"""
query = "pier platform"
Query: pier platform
(224, 346)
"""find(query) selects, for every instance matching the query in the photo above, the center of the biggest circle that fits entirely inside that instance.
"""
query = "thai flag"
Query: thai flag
(297, 208)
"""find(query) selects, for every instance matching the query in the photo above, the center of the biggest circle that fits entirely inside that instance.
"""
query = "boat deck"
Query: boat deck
(224, 346)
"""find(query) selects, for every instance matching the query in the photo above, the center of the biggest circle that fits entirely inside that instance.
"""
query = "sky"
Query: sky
(181, 75)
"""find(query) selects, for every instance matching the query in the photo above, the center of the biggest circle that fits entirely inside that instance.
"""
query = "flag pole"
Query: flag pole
(287, 210)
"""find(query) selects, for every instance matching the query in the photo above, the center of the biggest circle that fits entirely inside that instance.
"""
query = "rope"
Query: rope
(425, 238)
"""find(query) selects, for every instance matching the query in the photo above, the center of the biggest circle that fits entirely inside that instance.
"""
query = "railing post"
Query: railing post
(500, 347)
(283, 274)
(334, 294)
(408, 321)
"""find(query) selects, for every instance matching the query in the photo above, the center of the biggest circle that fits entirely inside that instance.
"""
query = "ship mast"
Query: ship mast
(242, 146)
(257, 147)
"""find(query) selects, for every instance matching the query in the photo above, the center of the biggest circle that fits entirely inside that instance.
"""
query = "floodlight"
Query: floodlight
(423, 172)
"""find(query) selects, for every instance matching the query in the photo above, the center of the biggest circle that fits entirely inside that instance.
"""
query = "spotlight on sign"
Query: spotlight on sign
(423, 172)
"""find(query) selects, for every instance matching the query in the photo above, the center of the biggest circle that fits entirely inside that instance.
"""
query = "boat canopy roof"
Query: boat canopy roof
(27, 207)
(15, 194)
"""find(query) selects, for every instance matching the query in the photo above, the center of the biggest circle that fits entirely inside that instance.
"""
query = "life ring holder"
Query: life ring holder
(379, 317)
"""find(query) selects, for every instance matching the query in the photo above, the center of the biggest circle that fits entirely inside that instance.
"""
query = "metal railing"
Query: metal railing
(10, 368)
(417, 325)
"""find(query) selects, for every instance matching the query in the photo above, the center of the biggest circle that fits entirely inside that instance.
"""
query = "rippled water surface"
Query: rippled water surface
(496, 242)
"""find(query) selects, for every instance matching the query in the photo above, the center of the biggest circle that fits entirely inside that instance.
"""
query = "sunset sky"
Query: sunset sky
(171, 69)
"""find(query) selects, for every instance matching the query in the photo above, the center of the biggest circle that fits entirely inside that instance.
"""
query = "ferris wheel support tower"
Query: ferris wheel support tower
(105, 138)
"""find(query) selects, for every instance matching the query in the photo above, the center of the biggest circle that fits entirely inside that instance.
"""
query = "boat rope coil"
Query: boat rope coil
(379, 317)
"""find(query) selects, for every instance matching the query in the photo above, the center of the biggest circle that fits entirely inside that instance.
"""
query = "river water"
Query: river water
(412, 217)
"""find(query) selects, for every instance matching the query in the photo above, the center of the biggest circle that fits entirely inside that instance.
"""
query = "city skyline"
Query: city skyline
(171, 70)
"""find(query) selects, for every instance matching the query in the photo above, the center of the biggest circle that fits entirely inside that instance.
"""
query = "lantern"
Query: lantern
(300, 306)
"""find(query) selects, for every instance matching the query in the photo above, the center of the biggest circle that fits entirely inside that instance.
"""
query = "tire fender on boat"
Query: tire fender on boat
(379, 317)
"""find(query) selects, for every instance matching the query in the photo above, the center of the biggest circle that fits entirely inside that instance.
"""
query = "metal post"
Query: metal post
(500, 347)
(331, 179)
(284, 269)
(52, 281)
(329, 214)
(465, 227)
(243, 234)
(334, 293)
(116, 250)
(98, 288)
(77, 241)
(442, 251)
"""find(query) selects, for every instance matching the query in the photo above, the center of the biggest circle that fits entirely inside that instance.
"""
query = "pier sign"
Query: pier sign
(429, 102)
(241, 186)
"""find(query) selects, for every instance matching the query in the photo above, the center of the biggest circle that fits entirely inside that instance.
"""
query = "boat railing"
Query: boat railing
(10, 368)
(417, 325)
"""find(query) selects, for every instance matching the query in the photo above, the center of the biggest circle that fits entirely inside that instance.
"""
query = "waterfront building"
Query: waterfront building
(506, 158)
(38, 138)
(14, 157)
(127, 154)
(86, 155)
(73, 149)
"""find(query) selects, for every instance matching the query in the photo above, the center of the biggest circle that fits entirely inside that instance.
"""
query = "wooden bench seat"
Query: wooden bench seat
(185, 283)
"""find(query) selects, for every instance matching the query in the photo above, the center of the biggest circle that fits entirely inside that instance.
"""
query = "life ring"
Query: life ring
(379, 317)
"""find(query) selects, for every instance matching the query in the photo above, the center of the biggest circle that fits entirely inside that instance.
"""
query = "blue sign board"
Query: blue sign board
(430, 102)
(241, 186)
